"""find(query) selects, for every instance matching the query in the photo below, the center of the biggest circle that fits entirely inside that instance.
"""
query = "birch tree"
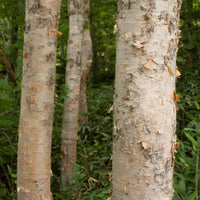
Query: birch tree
(145, 99)
(86, 61)
(37, 101)
(72, 79)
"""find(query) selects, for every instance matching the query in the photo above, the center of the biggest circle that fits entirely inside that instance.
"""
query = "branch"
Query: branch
(12, 147)
(7, 177)
(8, 67)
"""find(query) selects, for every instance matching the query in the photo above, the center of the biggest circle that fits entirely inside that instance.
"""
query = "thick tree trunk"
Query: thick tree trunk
(145, 99)
(37, 101)
(73, 77)
(87, 56)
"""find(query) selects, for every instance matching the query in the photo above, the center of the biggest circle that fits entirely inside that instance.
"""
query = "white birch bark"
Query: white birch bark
(37, 100)
(87, 56)
(72, 78)
(145, 99)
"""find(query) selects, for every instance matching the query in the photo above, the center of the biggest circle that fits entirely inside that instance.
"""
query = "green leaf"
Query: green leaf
(105, 135)
(182, 186)
(14, 175)
(194, 143)
(188, 129)
(9, 169)
(3, 192)
(197, 105)
(192, 196)
(2, 160)
(183, 161)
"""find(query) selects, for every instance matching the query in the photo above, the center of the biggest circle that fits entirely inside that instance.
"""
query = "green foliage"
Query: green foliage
(61, 92)
(187, 176)
(187, 172)
(189, 46)
(186, 181)
(104, 42)
(93, 167)
(11, 42)
(9, 117)
(12, 29)
(187, 169)
(62, 40)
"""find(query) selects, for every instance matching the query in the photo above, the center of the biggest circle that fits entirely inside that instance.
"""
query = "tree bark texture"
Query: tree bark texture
(72, 79)
(145, 100)
(37, 101)
(87, 56)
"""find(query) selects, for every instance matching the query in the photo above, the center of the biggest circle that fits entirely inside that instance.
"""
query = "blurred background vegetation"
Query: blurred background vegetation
(93, 169)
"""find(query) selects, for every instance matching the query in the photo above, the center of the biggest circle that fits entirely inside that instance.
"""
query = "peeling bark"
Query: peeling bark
(145, 99)
(37, 101)
(87, 56)
(72, 79)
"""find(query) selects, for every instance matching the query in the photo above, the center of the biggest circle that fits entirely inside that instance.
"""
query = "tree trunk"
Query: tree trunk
(72, 79)
(145, 99)
(37, 101)
(87, 56)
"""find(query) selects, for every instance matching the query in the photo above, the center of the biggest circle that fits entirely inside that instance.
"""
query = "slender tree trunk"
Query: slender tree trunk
(87, 56)
(73, 77)
(37, 101)
(145, 99)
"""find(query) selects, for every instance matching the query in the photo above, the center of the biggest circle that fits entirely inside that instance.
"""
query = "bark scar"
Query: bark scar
(129, 4)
